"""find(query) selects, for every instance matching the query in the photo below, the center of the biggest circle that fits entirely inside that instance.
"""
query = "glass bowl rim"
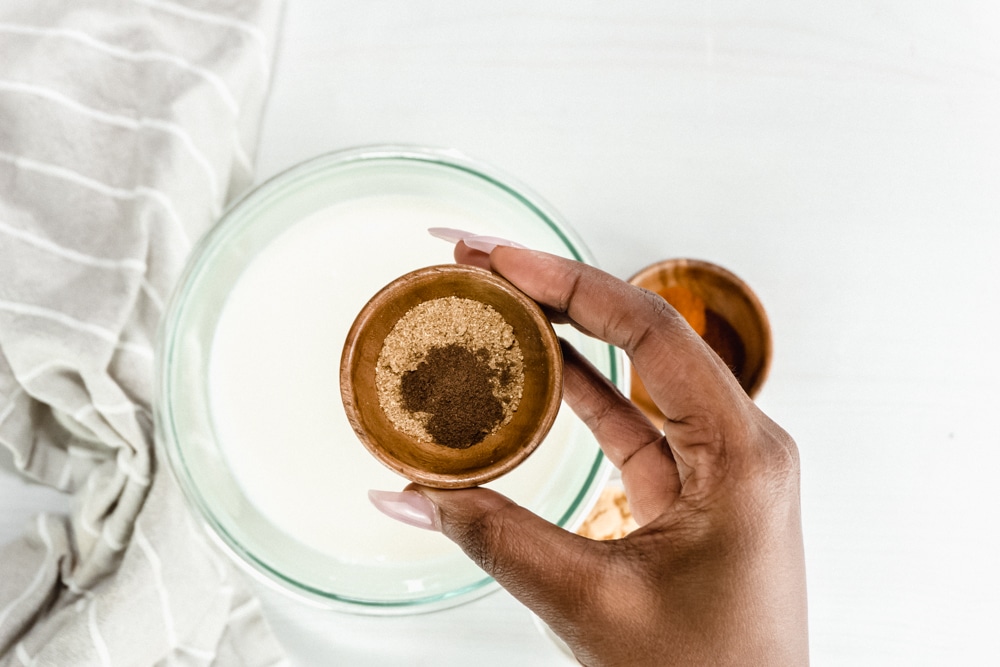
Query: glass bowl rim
(167, 438)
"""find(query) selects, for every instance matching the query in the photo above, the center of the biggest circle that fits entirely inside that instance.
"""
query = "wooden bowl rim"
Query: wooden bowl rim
(547, 412)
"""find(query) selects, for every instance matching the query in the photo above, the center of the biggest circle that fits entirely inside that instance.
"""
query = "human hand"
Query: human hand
(715, 574)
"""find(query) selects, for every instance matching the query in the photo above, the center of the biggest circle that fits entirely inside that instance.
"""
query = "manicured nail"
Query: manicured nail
(478, 242)
(448, 234)
(407, 506)
(488, 243)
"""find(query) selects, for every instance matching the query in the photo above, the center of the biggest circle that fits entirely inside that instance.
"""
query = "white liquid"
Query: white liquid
(274, 381)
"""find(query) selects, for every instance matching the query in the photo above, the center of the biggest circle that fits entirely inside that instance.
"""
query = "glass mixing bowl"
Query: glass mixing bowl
(248, 410)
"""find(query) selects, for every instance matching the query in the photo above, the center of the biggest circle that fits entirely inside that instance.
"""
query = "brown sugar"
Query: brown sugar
(611, 517)
(450, 372)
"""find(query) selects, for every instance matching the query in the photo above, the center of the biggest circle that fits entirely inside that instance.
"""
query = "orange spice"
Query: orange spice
(690, 306)
(717, 332)
(713, 329)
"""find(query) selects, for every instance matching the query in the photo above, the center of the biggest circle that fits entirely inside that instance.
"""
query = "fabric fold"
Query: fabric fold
(125, 127)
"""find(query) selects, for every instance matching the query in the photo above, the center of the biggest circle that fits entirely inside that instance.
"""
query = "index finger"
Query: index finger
(689, 383)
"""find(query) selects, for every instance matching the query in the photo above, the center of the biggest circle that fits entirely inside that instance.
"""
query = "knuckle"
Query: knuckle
(770, 472)
(751, 460)
(780, 454)
(486, 539)
(569, 282)
(638, 331)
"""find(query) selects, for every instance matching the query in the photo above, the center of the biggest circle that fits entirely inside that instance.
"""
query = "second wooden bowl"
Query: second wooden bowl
(722, 309)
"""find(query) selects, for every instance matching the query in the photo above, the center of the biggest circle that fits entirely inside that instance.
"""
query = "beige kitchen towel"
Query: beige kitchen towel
(125, 127)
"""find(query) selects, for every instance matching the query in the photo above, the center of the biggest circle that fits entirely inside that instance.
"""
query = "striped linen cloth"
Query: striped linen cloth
(125, 127)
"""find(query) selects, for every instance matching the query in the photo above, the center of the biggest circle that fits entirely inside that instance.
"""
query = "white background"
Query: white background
(843, 158)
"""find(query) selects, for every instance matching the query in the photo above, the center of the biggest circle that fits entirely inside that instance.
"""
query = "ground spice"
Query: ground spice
(450, 372)
(454, 385)
(722, 337)
(690, 306)
(712, 327)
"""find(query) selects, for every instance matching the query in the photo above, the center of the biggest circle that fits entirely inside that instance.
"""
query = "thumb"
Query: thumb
(545, 567)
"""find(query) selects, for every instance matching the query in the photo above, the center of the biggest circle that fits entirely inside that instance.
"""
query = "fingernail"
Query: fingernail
(449, 234)
(478, 242)
(407, 506)
(488, 243)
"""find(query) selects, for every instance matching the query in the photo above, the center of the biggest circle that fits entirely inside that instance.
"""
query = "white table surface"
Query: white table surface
(843, 158)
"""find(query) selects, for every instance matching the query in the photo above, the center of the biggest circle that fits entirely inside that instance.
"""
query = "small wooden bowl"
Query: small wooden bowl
(735, 307)
(430, 463)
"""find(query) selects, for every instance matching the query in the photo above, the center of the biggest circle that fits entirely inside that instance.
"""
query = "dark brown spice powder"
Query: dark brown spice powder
(722, 337)
(715, 329)
(455, 386)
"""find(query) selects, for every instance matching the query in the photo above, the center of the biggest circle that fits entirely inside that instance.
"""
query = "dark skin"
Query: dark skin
(715, 574)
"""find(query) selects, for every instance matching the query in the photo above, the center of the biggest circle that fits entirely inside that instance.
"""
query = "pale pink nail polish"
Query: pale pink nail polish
(488, 243)
(449, 234)
(475, 241)
(408, 507)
